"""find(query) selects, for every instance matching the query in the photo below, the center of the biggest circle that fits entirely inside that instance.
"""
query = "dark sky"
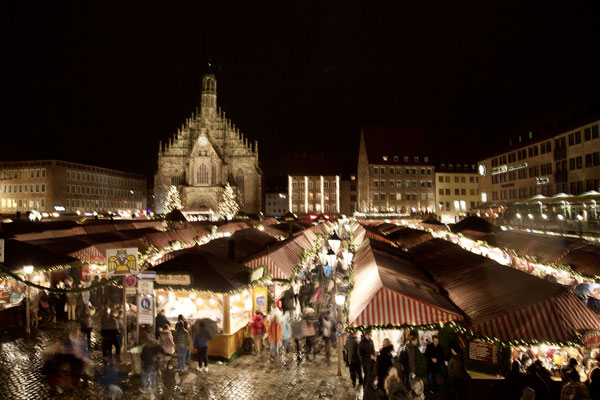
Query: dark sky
(103, 84)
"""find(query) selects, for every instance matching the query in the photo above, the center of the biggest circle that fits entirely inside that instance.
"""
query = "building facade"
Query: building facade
(53, 185)
(567, 162)
(349, 193)
(207, 153)
(276, 204)
(457, 190)
(308, 194)
(395, 174)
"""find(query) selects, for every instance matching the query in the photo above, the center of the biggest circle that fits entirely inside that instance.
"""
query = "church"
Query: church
(205, 154)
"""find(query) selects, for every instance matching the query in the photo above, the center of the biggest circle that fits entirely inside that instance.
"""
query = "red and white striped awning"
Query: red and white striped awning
(272, 269)
(393, 308)
(559, 318)
(90, 255)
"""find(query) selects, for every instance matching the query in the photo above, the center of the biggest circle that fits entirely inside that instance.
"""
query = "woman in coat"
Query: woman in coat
(166, 339)
(182, 344)
(384, 362)
(286, 331)
(274, 331)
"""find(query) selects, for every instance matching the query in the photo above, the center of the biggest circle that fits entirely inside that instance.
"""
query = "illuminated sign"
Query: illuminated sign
(481, 170)
(180, 280)
(541, 181)
(122, 261)
(59, 208)
(503, 168)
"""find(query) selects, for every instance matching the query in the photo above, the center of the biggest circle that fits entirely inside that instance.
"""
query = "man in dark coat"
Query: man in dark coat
(161, 320)
(354, 359)
(407, 358)
(434, 353)
(287, 301)
(366, 351)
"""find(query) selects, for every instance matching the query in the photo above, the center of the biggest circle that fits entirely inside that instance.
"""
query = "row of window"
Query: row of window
(405, 158)
(459, 192)
(400, 196)
(407, 184)
(315, 196)
(589, 133)
(459, 205)
(591, 160)
(101, 178)
(23, 204)
(314, 184)
(95, 205)
(458, 179)
(98, 191)
(314, 207)
(24, 188)
(464, 167)
(398, 171)
(24, 173)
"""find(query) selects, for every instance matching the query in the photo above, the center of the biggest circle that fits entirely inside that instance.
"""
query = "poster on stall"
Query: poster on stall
(485, 352)
(122, 261)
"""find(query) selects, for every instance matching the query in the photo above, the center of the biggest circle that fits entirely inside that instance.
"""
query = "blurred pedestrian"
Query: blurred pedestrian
(366, 351)
(166, 339)
(274, 333)
(310, 328)
(86, 323)
(434, 353)
(286, 331)
(354, 359)
(457, 374)
(149, 357)
(384, 362)
(407, 358)
(76, 351)
(258, 329)
(121, 324)
(71, 305)
(161, 320)
(394, 387)
(574, 389)
(34, 306)
(181, 337)
(201, 339)
(181, 318)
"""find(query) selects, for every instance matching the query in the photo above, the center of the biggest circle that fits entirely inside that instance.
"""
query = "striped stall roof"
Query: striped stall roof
(390, 307)
(272, 268)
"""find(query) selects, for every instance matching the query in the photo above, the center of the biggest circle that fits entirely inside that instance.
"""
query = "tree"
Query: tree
(172, 202)
(228, 207)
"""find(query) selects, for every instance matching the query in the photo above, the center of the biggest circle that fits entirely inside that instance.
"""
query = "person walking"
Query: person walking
(407, 358)
(366, 351)
(354, 359)
(110, 332)
(121, 324)
(86, 323)
(274, 332)
(286, 331)
(34, 306)
(434, 353)
(181, 337)
(186, 324)
(310, 327)
(457, 374)
(149, 357)
(258, 329)
(384, 362)
(161, 320)
(71, 306)
(94, 292)
(328, 332)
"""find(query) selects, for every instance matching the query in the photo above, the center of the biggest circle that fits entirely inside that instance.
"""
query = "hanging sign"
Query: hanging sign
(122, 261)
(485, 352)
(145, 311)
(257, 273)
(178, 280)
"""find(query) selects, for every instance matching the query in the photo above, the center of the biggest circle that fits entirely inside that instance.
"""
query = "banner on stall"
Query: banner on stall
(122, 261)
(591, 339)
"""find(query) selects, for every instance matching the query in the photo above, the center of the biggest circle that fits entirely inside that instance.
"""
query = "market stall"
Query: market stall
(199, 285)
(47, 269)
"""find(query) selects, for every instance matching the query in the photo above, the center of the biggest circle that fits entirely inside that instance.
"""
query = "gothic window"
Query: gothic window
(213, 174)
(203, 175)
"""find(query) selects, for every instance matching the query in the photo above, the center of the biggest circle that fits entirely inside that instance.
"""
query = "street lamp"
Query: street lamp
(347, 258)
(334, 242)
(331, 258)
(28, 270)
(340, 299)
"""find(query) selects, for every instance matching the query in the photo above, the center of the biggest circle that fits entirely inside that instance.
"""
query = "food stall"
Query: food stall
(200, 285)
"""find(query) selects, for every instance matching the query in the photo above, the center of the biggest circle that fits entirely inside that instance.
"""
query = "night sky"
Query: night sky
(103, 84)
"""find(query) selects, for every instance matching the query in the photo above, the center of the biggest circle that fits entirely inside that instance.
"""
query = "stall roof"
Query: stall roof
(281, 258)
(408, 237)
(207, 272)
(390, 289)
(501, 301)
(17, 254)
(474, 223)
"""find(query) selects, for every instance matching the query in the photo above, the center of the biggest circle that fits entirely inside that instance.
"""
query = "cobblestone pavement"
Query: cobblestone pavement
(247, 377)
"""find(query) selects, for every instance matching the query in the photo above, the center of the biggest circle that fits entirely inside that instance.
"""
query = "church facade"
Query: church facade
(205, 154)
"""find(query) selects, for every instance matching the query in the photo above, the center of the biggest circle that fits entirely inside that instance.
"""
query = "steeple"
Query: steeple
(209, 96)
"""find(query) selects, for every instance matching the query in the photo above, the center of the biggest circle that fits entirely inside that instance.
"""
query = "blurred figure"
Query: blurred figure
(86, 323)
(574, 389)
(434, 353)
(566, 369)
(71, 306)
(161, 320)
(166, 340)
(310, 327)
(274, 333)
(181, 318)
(110, 333)
(258, 329)
(149, 359)
(286, 331)
(515, 381)
(366, 351)
(328, 332)
(121, 324)
(407, 358)
(182, 344)
(457, 374)
(76, 351)
(111, 380)
(394, 388)
(354, 358)
(594, 383)
(384, 362)
(34, 306)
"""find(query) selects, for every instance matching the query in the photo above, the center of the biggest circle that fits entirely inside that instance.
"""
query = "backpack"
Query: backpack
(308, 329)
